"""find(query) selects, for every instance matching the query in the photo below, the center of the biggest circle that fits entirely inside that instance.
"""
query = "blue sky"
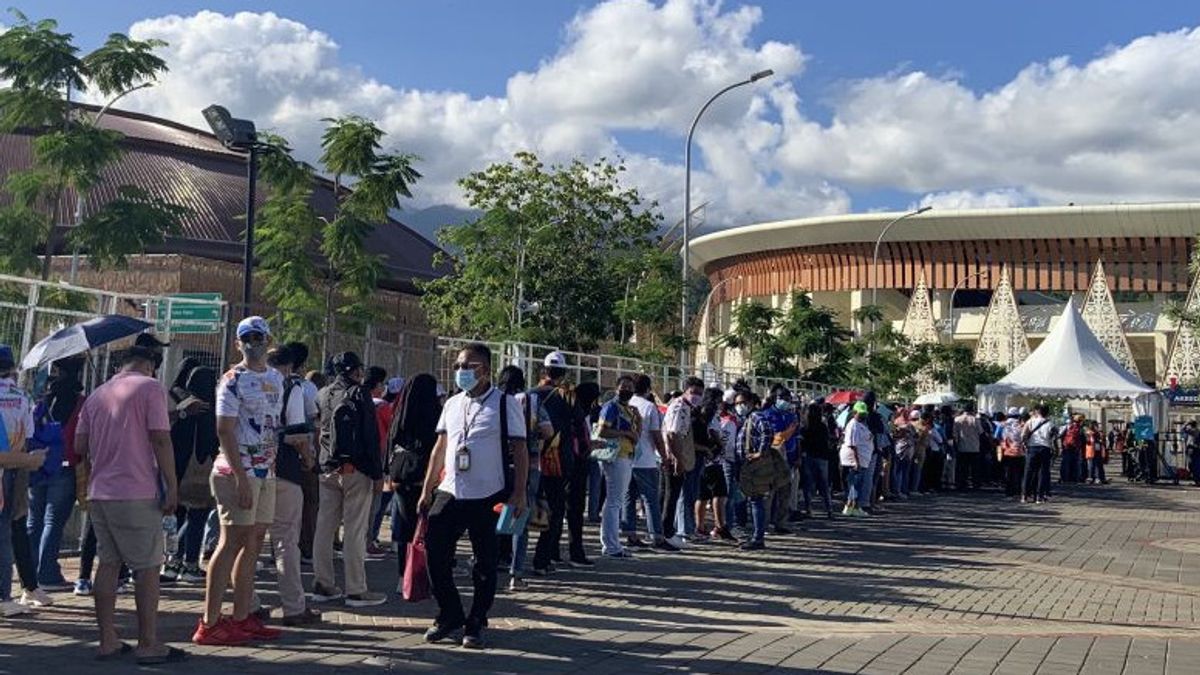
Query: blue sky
(475, 47)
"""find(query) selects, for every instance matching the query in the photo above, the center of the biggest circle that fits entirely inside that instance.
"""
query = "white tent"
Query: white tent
(1070, 363)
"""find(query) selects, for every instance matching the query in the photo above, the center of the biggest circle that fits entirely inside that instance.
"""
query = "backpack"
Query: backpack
(287, 460)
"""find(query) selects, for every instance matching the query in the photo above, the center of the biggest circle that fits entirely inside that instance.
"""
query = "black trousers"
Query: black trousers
(969, 469)
(405, 500)
(576, 489)
(670, 490)
(553, 490)
(1014, 475)
(23, 554)
(449, 518)
(935, 464)
(310, 486)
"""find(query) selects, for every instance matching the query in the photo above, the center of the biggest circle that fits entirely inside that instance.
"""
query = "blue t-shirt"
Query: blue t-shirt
(780, 421)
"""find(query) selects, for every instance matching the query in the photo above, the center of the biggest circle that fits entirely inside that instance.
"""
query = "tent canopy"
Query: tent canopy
(1070, 363)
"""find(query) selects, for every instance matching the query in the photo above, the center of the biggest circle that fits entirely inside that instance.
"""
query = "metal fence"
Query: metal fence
(31, 310)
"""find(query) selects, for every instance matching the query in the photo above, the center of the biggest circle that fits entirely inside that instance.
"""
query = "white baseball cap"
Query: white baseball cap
(555, 359)
(730, 396)
(253, 324)
(1014, 411)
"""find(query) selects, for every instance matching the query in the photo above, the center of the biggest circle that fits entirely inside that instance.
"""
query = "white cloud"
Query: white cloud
(1123, 126)
(625, 65)
(954, 200)
(1120, 127)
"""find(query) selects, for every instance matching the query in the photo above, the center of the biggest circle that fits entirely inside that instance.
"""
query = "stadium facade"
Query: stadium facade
(1006, 271)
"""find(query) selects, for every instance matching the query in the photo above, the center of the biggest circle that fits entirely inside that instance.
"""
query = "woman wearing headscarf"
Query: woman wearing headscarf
(194, 438)
(411, 439)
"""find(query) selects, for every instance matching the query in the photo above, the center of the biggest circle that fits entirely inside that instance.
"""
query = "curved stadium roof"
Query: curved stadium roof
(192, 168)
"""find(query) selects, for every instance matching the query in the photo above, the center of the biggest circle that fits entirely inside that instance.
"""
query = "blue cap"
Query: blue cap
(253, 324)
(6, 357)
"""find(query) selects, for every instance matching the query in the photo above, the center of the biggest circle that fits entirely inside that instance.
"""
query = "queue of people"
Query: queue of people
(313, 462)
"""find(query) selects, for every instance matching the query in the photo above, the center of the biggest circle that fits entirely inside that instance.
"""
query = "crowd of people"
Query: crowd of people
(187, 484)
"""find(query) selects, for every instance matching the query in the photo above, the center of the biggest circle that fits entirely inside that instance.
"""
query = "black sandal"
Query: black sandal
(173, 655)
(123, 650)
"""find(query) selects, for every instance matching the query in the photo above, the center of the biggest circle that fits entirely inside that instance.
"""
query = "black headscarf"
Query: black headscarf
(415, 423)
(64, 390)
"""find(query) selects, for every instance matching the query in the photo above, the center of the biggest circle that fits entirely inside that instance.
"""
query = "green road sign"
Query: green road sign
(190, 317)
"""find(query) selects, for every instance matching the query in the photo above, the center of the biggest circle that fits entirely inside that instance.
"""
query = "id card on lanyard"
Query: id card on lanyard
(462, 456)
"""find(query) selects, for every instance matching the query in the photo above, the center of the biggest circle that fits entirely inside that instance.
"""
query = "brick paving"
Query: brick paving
(1102, 580)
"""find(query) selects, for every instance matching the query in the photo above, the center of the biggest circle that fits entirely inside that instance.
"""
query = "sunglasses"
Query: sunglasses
(467, 365)
(253, 338)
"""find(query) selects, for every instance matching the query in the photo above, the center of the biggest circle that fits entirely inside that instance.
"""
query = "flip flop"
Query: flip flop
(173, 655)
(124, 649)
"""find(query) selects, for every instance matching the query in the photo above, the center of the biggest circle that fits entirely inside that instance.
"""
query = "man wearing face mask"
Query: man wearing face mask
(350, 466)
(780, 416)
(469, 456)
(677, 430)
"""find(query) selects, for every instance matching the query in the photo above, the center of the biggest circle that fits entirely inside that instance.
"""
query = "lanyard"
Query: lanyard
(469, 424)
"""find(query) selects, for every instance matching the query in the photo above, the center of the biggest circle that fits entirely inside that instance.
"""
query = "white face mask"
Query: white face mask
(742, 409)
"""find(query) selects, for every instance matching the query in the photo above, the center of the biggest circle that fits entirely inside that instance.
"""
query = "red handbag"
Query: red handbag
(416, 565)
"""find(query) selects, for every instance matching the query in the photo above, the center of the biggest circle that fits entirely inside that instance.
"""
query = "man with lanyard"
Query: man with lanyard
(778, 413)
(469, 454)
(677, 428)
(1039, 435)
(249, 406)
(351, 467)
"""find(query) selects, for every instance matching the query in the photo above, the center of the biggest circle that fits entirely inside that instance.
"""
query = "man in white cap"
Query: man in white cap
(250, 416)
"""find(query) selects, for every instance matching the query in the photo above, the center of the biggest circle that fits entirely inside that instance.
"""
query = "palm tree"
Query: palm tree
(753, 326)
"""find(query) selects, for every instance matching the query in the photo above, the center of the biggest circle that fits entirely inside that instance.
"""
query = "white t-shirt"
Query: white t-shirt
(727, 429)
(310, 399)
(647, 456)
(475, 423)
(857, 446)
(255, 398)
(17, 412)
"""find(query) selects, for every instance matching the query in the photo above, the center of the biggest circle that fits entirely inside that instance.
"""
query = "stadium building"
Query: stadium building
(993, 279)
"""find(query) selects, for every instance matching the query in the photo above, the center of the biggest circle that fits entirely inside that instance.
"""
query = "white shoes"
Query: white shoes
(36, 598)
(678, 542)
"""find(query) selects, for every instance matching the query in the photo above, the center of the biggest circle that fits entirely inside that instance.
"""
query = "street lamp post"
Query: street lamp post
(687, 211)
(708, 302)
(879, 241)
(239, 134)
(959, 285)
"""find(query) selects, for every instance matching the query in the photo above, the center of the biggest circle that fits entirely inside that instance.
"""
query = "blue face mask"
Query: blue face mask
(465, 379)
(783, 405)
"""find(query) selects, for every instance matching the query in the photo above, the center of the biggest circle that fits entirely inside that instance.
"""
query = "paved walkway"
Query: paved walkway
(1103, 580)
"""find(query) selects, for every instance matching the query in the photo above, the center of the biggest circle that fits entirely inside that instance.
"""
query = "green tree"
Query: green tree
(336, 247)
(70, 150)
(568, 235)
(955, 365)
(752, 332)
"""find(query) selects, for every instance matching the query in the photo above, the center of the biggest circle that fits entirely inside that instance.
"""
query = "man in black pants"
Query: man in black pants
(474, 427)
(564, 493)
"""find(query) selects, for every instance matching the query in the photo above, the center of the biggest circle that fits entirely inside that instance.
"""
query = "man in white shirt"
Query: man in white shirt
(471, 434)
(651, 452)
(681, 458)
(1039, 434)
(967, 431)
(858, 447)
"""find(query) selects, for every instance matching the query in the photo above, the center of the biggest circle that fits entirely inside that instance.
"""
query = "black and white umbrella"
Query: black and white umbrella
(81, 337)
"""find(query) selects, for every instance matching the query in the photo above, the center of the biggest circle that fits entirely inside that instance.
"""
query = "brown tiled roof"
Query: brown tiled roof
(191, 168)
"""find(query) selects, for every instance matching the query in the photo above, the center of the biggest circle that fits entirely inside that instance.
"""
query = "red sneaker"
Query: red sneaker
(224, 633)
(256, 629)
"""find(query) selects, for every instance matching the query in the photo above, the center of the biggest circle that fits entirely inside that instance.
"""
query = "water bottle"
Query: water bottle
(170, 528)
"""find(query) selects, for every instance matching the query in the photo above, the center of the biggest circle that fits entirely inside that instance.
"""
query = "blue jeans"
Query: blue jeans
(617, 474)
(758, 514)
(191, 535)
(866, 482)
(50, 504)
(644, 486)
(520, 541)
(900, 465)
(854, 481)
(816, 477)
(595, 479)
(734, 504)
(685, 510)
(380, 504)
(6, 541)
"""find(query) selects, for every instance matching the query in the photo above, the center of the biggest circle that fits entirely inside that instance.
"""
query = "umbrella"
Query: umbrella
(937, 398)
(82, 337)
(843, 397)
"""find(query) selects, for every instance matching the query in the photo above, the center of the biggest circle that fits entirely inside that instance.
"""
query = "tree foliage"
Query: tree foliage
(70, 151)
(573, 233)
(298, 247)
